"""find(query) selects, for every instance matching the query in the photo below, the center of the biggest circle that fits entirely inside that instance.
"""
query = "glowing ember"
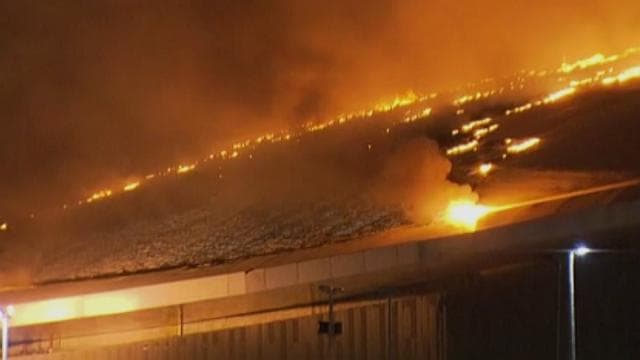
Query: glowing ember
(485, 169)
(519, 109)
(185, 168)
(583, 82)
(463, 148)
(411, 118)
(522, 145)
(629, 74)
(623, 77)
(559, 95)
(466, 214)
(401, 100)
(131, 186)
(596, 59)
(474, 97)
(99, 195)
(475, 124)
(480, 133)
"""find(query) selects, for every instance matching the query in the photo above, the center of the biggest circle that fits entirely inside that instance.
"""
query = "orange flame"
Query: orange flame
(99, 195)
(185, 168)
(522, 145)
(624, 76)
(131, 186)
(475, 124)
(553, 97)
(466, 214)
(485, 169)
(463, 148)
(597, 59)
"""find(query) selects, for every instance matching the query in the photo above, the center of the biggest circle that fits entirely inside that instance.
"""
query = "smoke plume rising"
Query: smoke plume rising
(415, 176)
(94, 92)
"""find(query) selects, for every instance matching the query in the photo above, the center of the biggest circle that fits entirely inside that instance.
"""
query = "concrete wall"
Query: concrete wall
(220, 286)
(413, 330)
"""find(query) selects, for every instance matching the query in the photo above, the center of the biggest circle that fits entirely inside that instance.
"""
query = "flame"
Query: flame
(629, 74)
(102, 194)
(553, 97)
(583, 82)
(485, 168)
(519, 109)
(474, 124)
(131, 186)
(474, 92)
(185, 168)
(411, 118)
(474, 97)
(466, 213)
(624, 76)
(408, 98)
(463, 148)
(480, 133)
(597, 59)
(398, 101)
(4, 226)
(521, 145)
(235, 149)
(477, 134)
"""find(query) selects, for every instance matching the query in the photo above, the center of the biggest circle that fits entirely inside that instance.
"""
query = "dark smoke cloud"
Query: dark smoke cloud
(92, 91)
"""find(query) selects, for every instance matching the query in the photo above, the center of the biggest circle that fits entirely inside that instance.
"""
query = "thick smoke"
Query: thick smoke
(97, 91)
(415, 177)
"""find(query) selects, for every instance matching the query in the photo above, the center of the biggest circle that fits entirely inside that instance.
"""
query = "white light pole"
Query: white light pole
(5, 315)
(578, 251)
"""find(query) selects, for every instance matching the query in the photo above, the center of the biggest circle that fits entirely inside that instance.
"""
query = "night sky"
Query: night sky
(93, 92)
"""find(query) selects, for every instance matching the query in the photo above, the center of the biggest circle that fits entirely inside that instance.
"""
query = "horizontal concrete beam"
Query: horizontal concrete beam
(318, 270)
(210, 287)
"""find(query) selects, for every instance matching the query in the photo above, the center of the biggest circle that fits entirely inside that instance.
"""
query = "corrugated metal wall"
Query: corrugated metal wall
(413, 331)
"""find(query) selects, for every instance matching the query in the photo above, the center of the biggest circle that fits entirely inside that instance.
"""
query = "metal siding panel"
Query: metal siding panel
(349, 329)
(295, 342)
(254, 342)
(415, 326)
(372, 333)
(322, 345)
(217, 345)
(394, 349)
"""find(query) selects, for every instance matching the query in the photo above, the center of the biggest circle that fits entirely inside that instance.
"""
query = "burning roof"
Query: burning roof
(337, 180)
